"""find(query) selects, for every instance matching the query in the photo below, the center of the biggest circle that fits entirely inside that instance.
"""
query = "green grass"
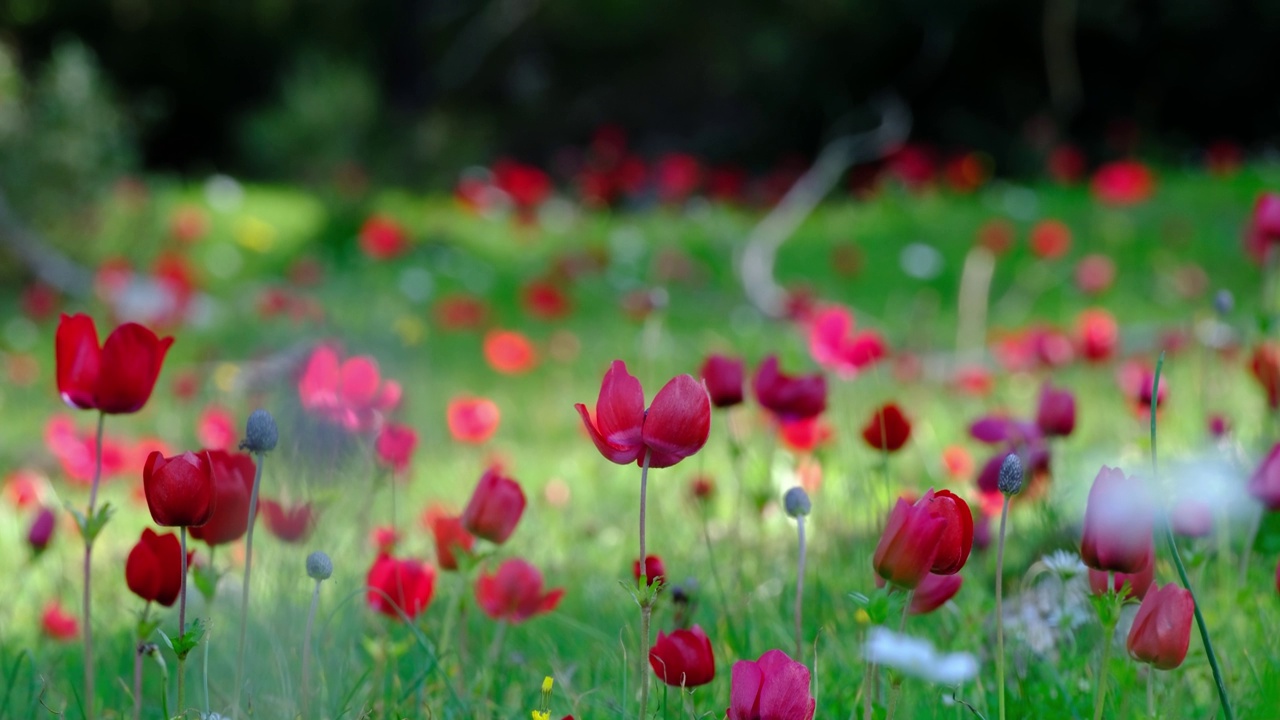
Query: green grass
(587, 545)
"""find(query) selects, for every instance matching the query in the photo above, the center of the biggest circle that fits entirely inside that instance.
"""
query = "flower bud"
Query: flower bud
(41, 530)
(319, 566)
(260, 432)
(796, 501)
(1010, 478)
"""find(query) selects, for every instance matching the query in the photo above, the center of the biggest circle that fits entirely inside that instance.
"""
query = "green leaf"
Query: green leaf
(92, 525)
(206, 580)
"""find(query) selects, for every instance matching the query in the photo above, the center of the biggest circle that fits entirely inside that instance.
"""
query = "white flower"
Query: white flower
(1064, 563)
(917, 657)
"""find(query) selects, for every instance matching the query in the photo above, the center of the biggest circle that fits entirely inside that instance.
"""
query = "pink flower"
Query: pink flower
(395, 445)
(350, 393)
(835, 346)
(382, 238)
(1122, 183)
(514, 593)
(775, 687)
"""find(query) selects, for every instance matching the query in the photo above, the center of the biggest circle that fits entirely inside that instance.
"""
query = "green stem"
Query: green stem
(1004, 517)
(715, 578)
(87, 629)
(306, 652)
(137, 679)
(1108, 639)
(799, 589)
(260, 459)
(182, 684)
(646, 606)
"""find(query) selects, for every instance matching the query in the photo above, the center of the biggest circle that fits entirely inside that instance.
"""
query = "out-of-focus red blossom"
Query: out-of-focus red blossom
(452, 539)
(545, 300)
(472, 420)
(460, 312)
(1161, 631)
(677, 177)
(1136, 379)
(933, 592)
(509, 352)
(912, 165)
(1219, 426)
(702, 487)
(40, 532)
(174, 274)
(396, 586)
(306, 271)
(1134, 586)
(684, 658)
(996, 235)
(957, 462)
(383, 238)
(1066, 164)
(495, 507)
(835, 346)
(23, 486)
(233, 486)
(887, 429)
(1053, 348)
(1050, 239)
(723, 377)
(1264, 483)
(290, 524)
(527, 186)
(774, 687)
(789, 397)
(1117, 523)
(654, 570)
(112, 277)
(1095, 274)
(1223, 157)
(1014, 351)
(643, 302)
(394, 446)
(1191, 517)
(153, 570)
(804, 435)
(1097, 334)
(188, 223)
(216, 428)
(674, 427)
(350, 393)
(727, 184)
(968, 172)
(179, 489)
(384, 539)
(1056, 411)
(75, 450)
(934, 534)
(1123, 183)
(117, 377)
(974, 380)
(1264, 365)
(1263, 231)
(39, 301)
(57, 623)
(514, 593)
(907, 368)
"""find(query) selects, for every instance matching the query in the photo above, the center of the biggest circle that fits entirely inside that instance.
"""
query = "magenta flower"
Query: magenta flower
(835, 346)
(674, 427)
(789, 397)
(775, 687)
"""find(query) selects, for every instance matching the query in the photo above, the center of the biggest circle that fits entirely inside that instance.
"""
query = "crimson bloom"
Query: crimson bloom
(654, 570)
(1056, 411)
(723, 377)
(116, 378)
(935, 534)
(1161, 631)
(290, 524)
(451, 537)
(233, 485)
(382, 238)
(179, 489)
(1123, 182)
(1095, 274)
(674, 427)
(805, 435)
(789, 397)
(40, 534)
(887, 429)
(514, 593)
(495, 507)
(1133, 586)
(545, 300)
(396, 586)
(394, 446)
(350, 393)
(154, 568)
(58, 623)
(472, 420)
(775, 687)
(835, 346)
(933, 592)
(684, 658)
(1050, 239)
(1097, 335)
(216, 428)
(1117, 524)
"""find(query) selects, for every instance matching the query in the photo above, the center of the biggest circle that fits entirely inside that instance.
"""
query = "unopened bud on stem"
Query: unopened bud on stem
(1010, 479)
(260, 433)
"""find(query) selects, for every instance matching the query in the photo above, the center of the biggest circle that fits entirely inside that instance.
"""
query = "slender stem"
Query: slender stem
(1177, 559)
(244, 593)
(715, 577)
(137, 680)
(894, 693)
(646, 605)
(306, 651)
(87, 624)
(799, 588)
(182, 682)
(1151, 692)
(1004, 517)
(182, 591)
(1108, 639)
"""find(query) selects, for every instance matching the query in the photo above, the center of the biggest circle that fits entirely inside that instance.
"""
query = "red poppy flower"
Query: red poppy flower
(290, 524)
(396, 586)
(394, 446)
(967, 172)
(382, 238)
(1264, 365)
(472, 419)
(835, 346)
(153, 570)
(789, 397)
(350, 393)
(723, 377)
(674, 427)
(450, 536)
(1097, 334)
(116, 378)
(39, 301)
(996, 236)
(180, 489)
(509, 352)
(1124, 182)
(233, 485)
(1117, 524)
(887, 429)
(1136, 379)
(545, 300)
(654, 570)
(912, 165)
(58, 623)
(1134, 586)
(775, 687)
(495, 507)
(684, 658)
(1161, 631)
(803, 436)
(1050, 239)
(216, 428)
(514, 593)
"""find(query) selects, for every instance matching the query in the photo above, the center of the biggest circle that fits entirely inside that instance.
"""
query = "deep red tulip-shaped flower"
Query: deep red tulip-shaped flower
(1264, 365)
(887, 429)
(1264, 484)
(788, 397)
(683, 658)
(514, 593)
(233, 486)
(396, 586)
(451, 537)
(472, 420)
(1263, 233)
(290, 524)
(1117, 523)
(179, 489)
(154, 568)
(1161, 630)
(933, 592)
(835, 346)
(1134, 586)
(394, 446)
(116, 378)
(58, 623)
(495, 507)
(935, 534)
(724, 377)
(654, 570)
(775, 687)
(674, 427)
(1123, 182)
(40, 534)
(350, 393)
(1056, 412)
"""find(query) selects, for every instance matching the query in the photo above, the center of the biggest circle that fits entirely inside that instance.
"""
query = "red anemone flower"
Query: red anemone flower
(472, 419)
(232, 485)
(515, 592)
(674, 427)
(509, 352)
(290, 524)
(789, 397)
(394, 446)
(1161, 631)
(684, 658)
(723, 377)
(396, 586)
(887, 429)
(775, 687)
(452, 539)
(350, 393)
(180, 489)
(153, 570)
(495, 507)
(115, 378)
(1118, 520)
(835, 346)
